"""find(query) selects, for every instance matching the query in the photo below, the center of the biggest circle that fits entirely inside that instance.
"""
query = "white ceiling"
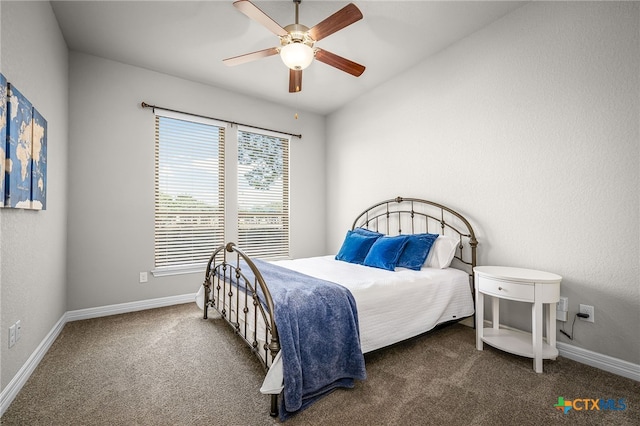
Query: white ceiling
(189, 39)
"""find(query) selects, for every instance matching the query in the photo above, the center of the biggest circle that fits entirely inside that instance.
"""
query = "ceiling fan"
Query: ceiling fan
(297, 42)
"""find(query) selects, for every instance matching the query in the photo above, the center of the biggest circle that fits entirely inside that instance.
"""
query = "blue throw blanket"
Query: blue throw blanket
(317, 324)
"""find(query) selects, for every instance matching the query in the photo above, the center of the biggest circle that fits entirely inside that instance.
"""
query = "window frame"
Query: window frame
(230, 189)
(285, 216)
(189, 267)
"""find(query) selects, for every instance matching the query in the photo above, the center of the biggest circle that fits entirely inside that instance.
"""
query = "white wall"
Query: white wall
(529, 127)
(111, 169)
(33, 244)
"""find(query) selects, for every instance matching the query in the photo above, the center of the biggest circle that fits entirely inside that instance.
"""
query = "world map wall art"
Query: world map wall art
(23, 158)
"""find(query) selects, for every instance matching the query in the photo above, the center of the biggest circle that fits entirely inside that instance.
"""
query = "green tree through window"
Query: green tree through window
(263, 195)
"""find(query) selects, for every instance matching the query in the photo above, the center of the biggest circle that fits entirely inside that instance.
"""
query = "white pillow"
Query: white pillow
(442, 252)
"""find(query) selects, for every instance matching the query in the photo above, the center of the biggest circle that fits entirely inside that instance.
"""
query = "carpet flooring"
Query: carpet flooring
(168, 366)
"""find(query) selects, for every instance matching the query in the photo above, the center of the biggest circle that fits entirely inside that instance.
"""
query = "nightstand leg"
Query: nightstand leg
(536, 333)
(479, 319)
(495, 312)
(551, 325)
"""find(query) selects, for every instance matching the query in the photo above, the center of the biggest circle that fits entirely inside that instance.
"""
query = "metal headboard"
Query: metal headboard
(413, 216)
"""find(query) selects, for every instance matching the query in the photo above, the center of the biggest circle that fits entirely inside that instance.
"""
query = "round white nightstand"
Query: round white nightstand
(523, 285)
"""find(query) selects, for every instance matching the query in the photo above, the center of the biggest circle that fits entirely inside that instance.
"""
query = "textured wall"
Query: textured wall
(530, 128)
(33, 248)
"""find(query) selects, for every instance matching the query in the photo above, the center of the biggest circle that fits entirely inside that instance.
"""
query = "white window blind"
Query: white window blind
(189, 192)
(263, 195)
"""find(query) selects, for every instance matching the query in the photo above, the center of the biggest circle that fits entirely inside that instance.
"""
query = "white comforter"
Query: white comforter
(394, 305)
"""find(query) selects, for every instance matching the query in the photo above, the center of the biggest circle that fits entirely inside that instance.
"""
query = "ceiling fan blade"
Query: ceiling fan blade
(295, 81)
(342, 18)
(242, 59)
(339, 62)
(253, 12)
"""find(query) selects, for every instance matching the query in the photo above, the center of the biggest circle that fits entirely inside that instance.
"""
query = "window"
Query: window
(263, 195)
(189, 192)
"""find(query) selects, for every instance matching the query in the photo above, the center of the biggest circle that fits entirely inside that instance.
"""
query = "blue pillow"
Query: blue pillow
(416, 251)
(365, 231)
(385, 252)
(355, 247)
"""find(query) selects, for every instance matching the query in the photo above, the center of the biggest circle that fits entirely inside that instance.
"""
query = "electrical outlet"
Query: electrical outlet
(589, 310)
(12, 335)
(18, 330)
(143, 277)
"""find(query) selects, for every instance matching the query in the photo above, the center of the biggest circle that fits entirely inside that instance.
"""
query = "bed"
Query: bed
(308, 319)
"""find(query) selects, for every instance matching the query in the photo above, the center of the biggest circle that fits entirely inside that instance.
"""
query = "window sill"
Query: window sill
(178, 270)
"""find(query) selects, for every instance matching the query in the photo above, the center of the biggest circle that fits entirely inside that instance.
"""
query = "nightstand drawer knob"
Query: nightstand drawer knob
(500, 288)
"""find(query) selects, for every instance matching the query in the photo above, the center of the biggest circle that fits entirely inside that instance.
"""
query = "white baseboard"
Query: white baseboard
(598, 360)
(594, 359)
(123, 308)
(11, 391)
(15, 385)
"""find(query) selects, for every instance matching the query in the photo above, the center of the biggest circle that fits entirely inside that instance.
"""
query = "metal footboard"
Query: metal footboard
(235, 296)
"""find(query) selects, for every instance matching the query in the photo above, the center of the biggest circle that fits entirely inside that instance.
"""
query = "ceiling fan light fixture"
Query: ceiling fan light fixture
(296, 55)
(297, 42)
